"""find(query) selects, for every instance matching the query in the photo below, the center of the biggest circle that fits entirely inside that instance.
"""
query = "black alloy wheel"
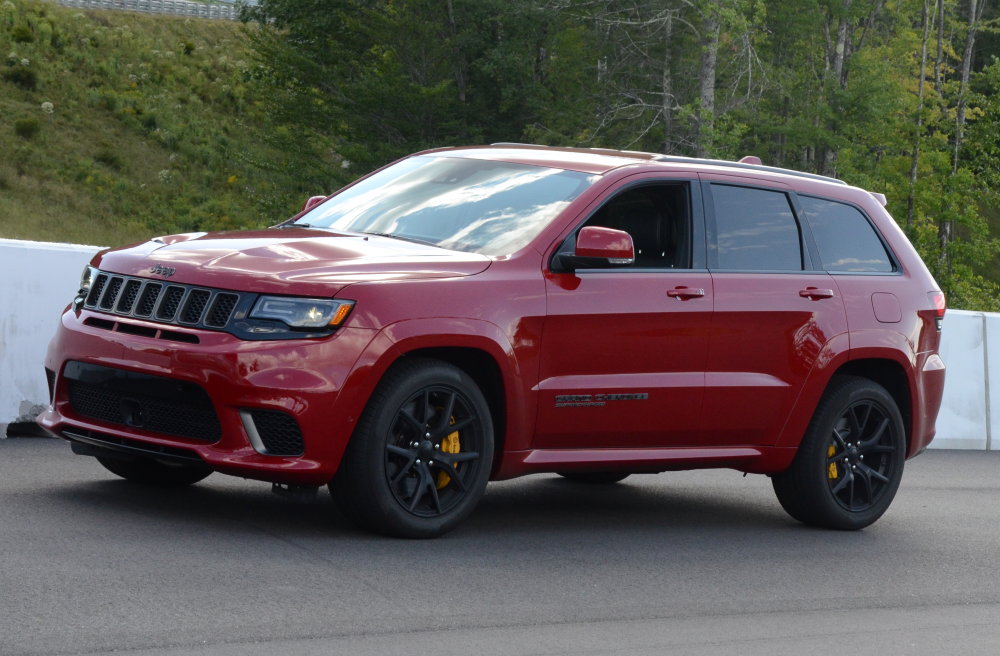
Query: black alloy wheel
(428, 468)
(420, 457)
(864, 429)
(850, 462)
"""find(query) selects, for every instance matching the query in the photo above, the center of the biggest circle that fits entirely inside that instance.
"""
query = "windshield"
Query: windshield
(493, 208)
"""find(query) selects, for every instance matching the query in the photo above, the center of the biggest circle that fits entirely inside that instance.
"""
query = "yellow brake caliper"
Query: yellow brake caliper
(831, 470)
(450, 444)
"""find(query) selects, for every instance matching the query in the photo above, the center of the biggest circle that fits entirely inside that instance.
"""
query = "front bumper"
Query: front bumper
(300, 378)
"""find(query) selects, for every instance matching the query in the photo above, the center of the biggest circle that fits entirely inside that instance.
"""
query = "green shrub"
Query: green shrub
(108, 158)
(27, 128)
(22, 76)
(22, 34)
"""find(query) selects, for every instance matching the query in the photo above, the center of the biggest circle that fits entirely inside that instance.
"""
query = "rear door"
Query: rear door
(774, 310)
(624, 350)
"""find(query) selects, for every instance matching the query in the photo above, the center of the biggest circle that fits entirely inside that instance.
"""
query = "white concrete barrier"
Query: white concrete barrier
(40, 280)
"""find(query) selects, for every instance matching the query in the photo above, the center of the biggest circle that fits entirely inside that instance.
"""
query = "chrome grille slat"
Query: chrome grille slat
(165, 303)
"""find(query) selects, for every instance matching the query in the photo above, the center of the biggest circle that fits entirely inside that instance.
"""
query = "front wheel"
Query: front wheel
(850, 461)
(420, 457)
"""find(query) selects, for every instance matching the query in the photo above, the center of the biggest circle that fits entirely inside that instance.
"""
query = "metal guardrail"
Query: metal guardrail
(175, 7)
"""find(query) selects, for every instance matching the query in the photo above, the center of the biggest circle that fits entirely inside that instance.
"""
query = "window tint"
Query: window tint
(845, 238)
(658, 219)
(756, 230)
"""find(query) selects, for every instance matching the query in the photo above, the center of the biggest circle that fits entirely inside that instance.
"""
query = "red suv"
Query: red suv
(482, 313)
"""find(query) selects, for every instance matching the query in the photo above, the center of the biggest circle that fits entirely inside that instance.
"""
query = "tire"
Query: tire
(594, 478)
(147, 471)
(421, 455)
(830, 483)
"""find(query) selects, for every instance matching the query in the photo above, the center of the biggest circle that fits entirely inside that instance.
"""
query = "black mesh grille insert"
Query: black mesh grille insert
(96, 288)
(196, 302)
(171, 301)
(148, 300)
(128, 295)
(279, 432)
(221, 310)
(108, 298)
(152, 403)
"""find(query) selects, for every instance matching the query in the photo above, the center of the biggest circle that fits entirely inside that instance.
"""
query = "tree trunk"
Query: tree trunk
(975, 13)
(840, 75)
(918, 131)
(709, 58)
(939, 60)
(667, 87)
(460, 67)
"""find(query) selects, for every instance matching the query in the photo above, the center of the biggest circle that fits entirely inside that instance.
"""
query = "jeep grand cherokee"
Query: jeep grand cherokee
(474, 314)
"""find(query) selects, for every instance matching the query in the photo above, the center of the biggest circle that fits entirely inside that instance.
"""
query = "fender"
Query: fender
(838, 353)
(404, 337)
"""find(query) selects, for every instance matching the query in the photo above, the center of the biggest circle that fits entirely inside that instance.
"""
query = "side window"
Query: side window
(658, 217)
(755, 230)
(845, 238)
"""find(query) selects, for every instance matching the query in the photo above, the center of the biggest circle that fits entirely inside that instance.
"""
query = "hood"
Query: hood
(301, 261)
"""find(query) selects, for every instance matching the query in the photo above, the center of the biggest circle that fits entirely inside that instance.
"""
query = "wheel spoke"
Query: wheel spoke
(863, 420)
(464, 456)
(446, 413)
(413, 422)
(866, 481)
(428, 408)
(841, 442)
(873, 473)
(876, 436)
(418, 493)
(843, 481)
(453, 474)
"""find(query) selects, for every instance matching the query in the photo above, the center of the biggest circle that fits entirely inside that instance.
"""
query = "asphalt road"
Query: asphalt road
(690, 562)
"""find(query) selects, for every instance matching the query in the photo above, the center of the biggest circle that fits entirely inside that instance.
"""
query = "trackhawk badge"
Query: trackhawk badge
(595, 400)
(166, 271)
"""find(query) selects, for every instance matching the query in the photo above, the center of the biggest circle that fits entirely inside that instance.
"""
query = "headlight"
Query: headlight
(302, 312)
(87, 279)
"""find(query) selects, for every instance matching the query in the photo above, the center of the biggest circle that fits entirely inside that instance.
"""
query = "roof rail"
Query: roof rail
(676, 159)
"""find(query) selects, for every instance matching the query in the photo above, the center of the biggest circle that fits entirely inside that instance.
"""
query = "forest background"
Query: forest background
(135, 125)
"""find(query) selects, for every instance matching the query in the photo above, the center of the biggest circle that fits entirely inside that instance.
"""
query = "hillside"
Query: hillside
(115, 126)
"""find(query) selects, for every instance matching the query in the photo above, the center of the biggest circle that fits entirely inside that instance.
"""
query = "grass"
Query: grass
(117, 126)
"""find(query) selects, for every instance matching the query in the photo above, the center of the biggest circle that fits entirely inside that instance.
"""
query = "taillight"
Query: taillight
(939, 304)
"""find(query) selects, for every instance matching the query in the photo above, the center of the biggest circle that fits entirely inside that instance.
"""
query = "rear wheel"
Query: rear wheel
(420, 457)
(850, 462)
(595, 478)
(153, 472)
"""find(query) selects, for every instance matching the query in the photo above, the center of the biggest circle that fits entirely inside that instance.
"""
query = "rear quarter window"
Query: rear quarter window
(846, 239)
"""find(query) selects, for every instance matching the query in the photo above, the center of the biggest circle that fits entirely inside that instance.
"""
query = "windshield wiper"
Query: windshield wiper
(415, 240)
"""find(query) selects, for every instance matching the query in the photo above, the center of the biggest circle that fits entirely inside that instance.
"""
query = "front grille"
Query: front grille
(279, 432)
(152, 403)
(173, 303)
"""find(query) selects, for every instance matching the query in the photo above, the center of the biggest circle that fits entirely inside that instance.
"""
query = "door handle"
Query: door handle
(815, 294)
(684, 293)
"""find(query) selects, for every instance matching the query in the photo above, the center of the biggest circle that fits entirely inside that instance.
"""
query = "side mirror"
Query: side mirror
(312, 202)
(595, 248)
